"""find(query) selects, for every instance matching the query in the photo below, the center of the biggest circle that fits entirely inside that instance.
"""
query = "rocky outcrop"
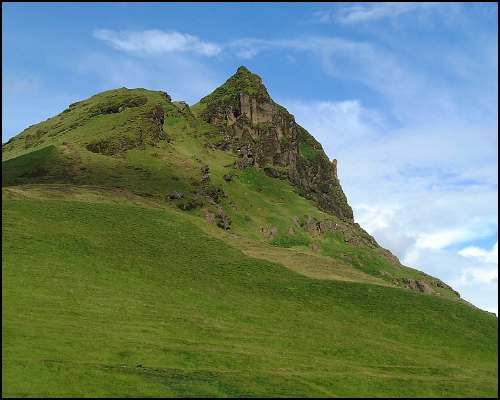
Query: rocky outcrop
(417, 285)
(222, 220)
(269, 232)
(182, 106)
(114, 106)
(205, 174)
(350, 232)
(266, 136)
(175, 195)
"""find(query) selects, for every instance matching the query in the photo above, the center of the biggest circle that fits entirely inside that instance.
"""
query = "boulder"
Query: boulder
(166, 96)
(222, 219)
(315, 247)
(417, 285)
(175, 195)
(182, 106)
(269, 233)
(214, 193)
(205, 174)
(208, 215)
(272, 172)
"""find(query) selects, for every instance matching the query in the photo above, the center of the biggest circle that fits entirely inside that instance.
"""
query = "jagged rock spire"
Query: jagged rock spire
(266, 135)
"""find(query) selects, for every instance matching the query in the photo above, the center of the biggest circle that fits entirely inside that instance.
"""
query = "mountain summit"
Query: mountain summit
(266, 135)
(152, 248)
(201, 159)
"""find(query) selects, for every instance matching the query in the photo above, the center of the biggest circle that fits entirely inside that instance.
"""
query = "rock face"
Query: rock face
(266, 136)
(222, 219)
(417, 285)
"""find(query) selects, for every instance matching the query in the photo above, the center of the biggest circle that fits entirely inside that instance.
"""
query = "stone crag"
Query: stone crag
(265, 135)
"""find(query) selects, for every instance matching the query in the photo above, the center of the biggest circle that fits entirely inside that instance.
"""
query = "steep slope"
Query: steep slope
(266, 135)
(102, 298)
(142, 141)
(146, 194)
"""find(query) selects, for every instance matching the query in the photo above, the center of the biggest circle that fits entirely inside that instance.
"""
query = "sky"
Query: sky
(403, 95)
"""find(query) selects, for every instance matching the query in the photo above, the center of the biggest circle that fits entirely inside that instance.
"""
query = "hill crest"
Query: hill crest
(236, 160)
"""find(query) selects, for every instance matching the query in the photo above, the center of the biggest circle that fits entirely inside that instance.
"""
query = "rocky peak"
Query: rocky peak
(243, 70)
(243, 82)
(265, 135)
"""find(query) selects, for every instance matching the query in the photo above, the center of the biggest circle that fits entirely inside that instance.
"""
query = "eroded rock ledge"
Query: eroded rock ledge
(264, 134)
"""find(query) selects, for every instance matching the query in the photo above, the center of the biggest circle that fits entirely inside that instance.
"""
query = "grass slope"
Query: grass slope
(110, 289)
(57, 151)
(111, 299)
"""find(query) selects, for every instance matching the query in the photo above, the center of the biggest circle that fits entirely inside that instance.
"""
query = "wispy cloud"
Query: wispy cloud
(156, 42)
(474, 252)
(475, 280)
(447, 237)
(358, 13)
(183, 77)
(251, 47)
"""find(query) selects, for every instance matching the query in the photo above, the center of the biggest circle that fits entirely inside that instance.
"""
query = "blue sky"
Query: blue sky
(405, 96)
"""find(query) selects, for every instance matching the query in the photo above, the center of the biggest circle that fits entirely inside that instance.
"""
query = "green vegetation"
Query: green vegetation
(309, 147)
(307, 152)
(229, 92)
(114, 300)
(292, 241)
(119, 281)
(31, 165)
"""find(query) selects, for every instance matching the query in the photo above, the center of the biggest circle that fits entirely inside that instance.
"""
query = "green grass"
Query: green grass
(292, 240)
(28, 165)
(309, 147)
(307, 152)
(153, 170)
(229, 92)
(118, 300)
(112, 115)
(110, 290)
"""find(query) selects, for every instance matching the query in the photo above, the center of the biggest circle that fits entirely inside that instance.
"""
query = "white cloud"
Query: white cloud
(479, 275)
(156, 42)
(489, 256)
(359, 13)
(476, 281)
(373, 218)
(326, 118)
(322, 45)
(183, 77)
(444, 238)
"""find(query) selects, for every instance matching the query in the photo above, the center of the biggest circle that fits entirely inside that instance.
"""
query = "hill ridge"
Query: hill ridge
(152, 248)
(265, 134)
(217, 158)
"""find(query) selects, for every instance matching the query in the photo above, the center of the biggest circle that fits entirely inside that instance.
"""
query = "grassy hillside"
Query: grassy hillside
(106, 298)
(78, 147)
(141, 259)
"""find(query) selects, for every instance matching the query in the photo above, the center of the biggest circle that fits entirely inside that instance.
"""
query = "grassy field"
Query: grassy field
(108, 298)
(111, 287)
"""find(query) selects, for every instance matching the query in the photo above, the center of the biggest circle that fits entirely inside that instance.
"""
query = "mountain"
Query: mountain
(152, 248)
(267, 136)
